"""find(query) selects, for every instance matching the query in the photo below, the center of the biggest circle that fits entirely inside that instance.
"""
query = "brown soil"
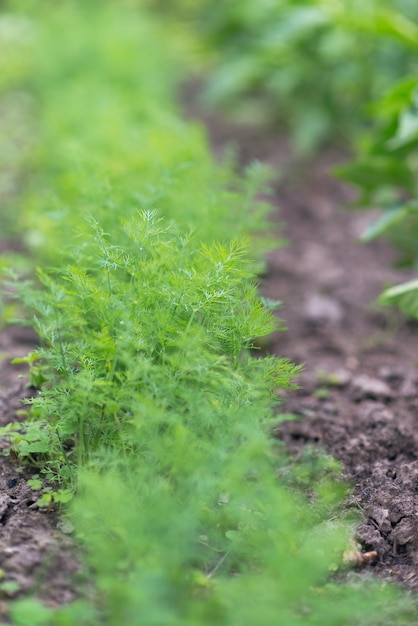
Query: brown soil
(359, 389)
(36, 553)
(358, 396)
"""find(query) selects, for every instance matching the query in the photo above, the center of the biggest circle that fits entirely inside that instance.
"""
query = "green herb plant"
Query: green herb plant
(109, 139)
(152, 408)
(154, 302)
(154, 402)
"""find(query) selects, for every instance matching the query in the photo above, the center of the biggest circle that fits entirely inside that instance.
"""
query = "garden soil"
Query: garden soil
(36, 551)
(358, 394)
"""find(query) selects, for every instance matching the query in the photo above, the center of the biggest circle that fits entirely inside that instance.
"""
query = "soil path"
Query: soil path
(359, 389)
(36, 556)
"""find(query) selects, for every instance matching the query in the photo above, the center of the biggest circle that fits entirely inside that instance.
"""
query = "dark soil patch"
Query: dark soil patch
(358, 396)
(359, 389)
(34, 554)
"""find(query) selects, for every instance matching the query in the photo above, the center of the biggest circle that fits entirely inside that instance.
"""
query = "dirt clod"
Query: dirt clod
(366, 387)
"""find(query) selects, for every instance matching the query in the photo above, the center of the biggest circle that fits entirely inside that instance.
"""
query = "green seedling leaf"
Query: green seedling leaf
(410, 286)
(31, 358)
(62, 496)
(405, 296)
(322, 393)
(35, 483)
(30, 612)
(9, 587)
(407, 129)
(45, 500)
(377, 172)
(385, 222)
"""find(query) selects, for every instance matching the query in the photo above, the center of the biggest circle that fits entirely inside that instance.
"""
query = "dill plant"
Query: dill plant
(146, 325)
(108, 137)
(151, 405)
(162, 413)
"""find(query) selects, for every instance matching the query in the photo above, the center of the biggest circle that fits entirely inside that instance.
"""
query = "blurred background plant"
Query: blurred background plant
(385, 170)
(312, 66)
(103, 123)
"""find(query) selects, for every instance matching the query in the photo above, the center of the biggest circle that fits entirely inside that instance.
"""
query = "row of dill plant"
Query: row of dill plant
(151, 406)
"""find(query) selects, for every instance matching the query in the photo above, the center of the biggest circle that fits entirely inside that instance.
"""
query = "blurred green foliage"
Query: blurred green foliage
(385, 170)
(312, 65)
(102, 117)
(385, 173)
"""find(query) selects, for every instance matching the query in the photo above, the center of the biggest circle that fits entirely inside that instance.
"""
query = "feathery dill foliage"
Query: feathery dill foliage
(143, 337)
(151, 390)
(108, 137)
(150, 401)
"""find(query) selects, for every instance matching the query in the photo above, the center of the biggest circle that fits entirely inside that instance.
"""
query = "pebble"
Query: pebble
(372, 412)
(381, 516)
(404, 532)
(366, 387)
(408, 389)
(65, 527)
(4, 505)
(321, 309)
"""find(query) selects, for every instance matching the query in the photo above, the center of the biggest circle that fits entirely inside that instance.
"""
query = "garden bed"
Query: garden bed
(358, 392)
(158, 486)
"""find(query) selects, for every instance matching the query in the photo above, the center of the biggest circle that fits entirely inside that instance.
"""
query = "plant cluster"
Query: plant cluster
(154, 324)
(151, 406)
(385, 172)
(312, 65)
(107, 138)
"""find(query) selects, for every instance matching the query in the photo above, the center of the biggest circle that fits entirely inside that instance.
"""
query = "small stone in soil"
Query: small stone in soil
(366, 387)
(320, 309)
(404, 532)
